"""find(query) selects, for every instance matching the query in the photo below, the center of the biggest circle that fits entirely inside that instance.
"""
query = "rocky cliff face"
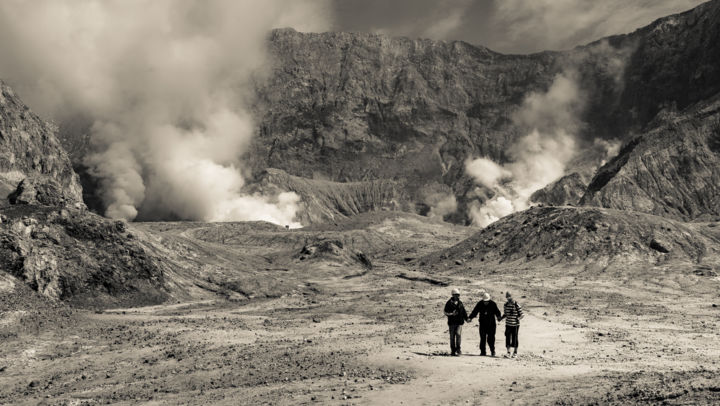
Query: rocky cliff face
(672, 170)
(349, 107)
(47, 238)
(355, 107)
(360, 106)
(675, 64)
(30, 153)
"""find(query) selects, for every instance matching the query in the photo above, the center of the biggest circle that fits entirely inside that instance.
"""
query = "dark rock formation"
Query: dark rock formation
(334, 250)
(675, 63)
(48, 239)
(28, 148)
(582, 235)
(567, 190)
(79, 257)
(672, 170)
(355, 107)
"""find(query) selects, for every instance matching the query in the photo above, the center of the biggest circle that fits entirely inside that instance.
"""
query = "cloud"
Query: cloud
(166, 84)
(453, 14)
(535, 25)
(442, 204)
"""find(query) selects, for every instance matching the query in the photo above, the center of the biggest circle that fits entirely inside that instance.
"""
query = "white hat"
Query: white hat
(486, 296)
(456, 291)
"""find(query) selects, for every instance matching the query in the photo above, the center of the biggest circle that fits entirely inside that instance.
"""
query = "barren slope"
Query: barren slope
(672, 170)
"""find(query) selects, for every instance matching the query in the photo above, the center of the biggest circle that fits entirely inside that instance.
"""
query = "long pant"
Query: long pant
(455, 339)
(511, 336)
(487, 336)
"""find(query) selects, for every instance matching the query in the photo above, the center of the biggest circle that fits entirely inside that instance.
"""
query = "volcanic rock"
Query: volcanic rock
(349, 107)
(29, 149)
(586, 234)
(334, 250)
(567, 190)
(353, 106)
(672, 170)
(79, 257)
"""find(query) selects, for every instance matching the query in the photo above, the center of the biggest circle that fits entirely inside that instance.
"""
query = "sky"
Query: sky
(509, 26)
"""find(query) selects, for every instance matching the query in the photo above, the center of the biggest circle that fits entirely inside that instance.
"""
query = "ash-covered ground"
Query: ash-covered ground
(315, 324)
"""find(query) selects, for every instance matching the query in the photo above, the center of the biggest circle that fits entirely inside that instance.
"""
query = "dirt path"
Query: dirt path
(335, 333)
(364, 340)
(486, 380)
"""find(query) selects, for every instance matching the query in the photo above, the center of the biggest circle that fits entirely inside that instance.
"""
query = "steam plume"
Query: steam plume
(442, 204)
(166, 84)
(539, 157)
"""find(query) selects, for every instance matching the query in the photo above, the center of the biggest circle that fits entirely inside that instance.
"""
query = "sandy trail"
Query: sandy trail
(486, 380)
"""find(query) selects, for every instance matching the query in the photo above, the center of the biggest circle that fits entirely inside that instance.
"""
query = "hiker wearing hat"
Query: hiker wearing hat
(487, 311)
(456, 314)
(512, 315)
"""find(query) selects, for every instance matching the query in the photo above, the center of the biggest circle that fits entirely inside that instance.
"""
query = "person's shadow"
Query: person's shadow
(445, 354)
(433, 354)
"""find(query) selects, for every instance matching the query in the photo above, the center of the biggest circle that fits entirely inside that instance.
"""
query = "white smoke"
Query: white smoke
(610, 148)
(442, 204)
(167, 84)
(536, 159)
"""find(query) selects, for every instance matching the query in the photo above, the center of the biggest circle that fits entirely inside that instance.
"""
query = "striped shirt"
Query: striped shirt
(513, 313)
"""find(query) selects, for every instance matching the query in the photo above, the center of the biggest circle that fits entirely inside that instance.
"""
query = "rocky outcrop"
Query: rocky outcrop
(675, 64)
(584, 235)
(672, 170)
(30, 153)
(47, 238)
(78, 257)
(334, 250)
(324, 201)
(567, 190)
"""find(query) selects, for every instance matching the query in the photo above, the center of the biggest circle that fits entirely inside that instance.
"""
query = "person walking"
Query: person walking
(456, 314)
(487, 312)
(512, 314)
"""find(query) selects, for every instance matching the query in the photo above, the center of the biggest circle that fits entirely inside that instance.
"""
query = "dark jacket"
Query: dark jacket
(487, 312)
(457, 309)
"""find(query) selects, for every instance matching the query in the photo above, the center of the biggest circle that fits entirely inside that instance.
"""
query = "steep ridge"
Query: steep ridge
(356, 107)
(361, 106)
(672, 170)
(675, 64)
(30, 153)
